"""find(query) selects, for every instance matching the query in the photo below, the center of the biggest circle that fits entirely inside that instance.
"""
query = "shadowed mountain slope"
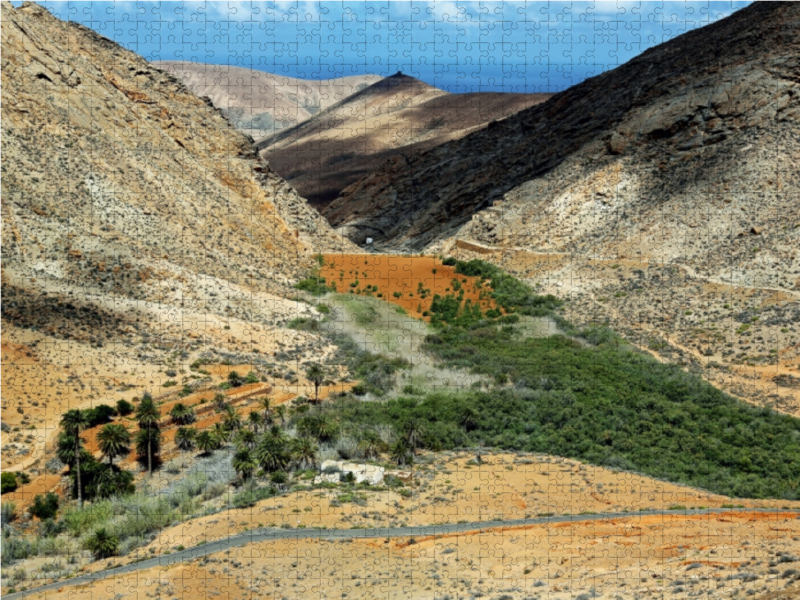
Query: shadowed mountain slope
(399, 115)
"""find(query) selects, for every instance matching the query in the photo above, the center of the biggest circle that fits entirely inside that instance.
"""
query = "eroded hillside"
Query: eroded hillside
(137, 222)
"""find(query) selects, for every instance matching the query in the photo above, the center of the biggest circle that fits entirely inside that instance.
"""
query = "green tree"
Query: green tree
(266, 403)
(232, 420)
(246, 438)
(102, 543)
(221, 434)
(73, 422)
(304, 451)
(256, 421)
(244, 463)
(148, 444)
(182, 414)
(413, 431)
(316, 375)
(234, 379)
(220, 402)
(206, 442)
(272, 453)
(185, 438)
(280, 412)
(469, 418)
(114, 440)
(149, 418)
(371, 445)
(401, 453)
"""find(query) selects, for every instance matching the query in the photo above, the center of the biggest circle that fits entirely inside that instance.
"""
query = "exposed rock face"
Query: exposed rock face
(670, 156)
(260, 103)
(117, 178)
(399, 115)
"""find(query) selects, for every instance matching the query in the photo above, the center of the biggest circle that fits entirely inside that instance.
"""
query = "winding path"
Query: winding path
(269, 534)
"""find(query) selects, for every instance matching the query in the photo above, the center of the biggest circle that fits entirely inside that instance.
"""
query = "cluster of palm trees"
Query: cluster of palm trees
(259, 440)
(113, 439)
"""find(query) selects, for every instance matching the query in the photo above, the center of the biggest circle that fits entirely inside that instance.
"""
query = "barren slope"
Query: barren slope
(260, 103)
(146, 225)
(398, 115)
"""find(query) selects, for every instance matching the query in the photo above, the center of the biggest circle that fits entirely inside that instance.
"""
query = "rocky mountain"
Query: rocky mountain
(397, 116)
(260, 103)
(137, 221)
(683, 153)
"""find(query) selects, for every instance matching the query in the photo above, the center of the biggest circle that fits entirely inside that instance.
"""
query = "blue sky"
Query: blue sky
(457, 46)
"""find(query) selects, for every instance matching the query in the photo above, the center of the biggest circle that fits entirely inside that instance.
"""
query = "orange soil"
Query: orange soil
(554, 560)
(24, 495)
(399, 274)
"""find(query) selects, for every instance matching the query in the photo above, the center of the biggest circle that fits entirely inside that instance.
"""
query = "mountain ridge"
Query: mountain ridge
(396, 116)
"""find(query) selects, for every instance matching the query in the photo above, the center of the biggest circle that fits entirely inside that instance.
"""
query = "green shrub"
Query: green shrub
(315, 286)
(124, 408)
(44, 507)
(8, 482)
(102, 543)
(100, 415)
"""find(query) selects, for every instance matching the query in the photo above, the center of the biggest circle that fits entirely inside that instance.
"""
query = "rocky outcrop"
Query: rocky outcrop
(670, 156)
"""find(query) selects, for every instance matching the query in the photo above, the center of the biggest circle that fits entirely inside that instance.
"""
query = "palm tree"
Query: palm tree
(401, 453)
(206, 442)
(73, 423)
(148, 417)
(469, 418)
(102, 543)
(271, 453)
(315, 375)
(413, 432)
(185, 438)
(305, 452)
(221, 435)
(148, 443)
(182, 414)
(266, 404)
(114, 440)
(244, 463)
(232, 421)
(371, 445)
(246, 438)
(280, 412)
(255, 420)
(220, 402)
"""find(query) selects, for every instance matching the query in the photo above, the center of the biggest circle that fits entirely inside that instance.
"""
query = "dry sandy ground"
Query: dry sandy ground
(451, 489)
(714, 556)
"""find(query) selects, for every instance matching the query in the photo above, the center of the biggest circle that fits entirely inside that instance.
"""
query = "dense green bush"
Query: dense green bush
(8, 482)
(100, 415)
(44, 507)
(124, 408)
